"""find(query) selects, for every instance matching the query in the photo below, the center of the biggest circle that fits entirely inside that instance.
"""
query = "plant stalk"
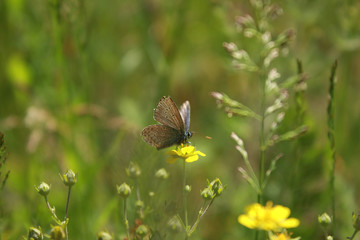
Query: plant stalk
(331, 137)
(262, 138)
(66, 212)
(184, 201)
(126, 222)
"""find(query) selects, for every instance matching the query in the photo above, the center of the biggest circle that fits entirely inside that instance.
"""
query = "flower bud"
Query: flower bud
(133, 170)
(273, 11)
(207, 194)
(174, 224)
(124, 190)
(139, 204)
(104, 236)
(162, 174)
(356, 221)
(43, 189)
(216, 186)
(244, 22)
(217, 95)
(142, 230)
(151, 194)
(230, 47)
(35, 234)
(69, 178)
(187, 188)
(57, 233)
(324, 219)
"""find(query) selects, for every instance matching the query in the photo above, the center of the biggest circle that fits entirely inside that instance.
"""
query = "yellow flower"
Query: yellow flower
(281, 236)
(268, 217)
(187, 153)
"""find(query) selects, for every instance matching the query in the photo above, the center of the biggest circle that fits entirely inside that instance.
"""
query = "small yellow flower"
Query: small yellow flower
(281, 236)
(187, 153)
(268, 217)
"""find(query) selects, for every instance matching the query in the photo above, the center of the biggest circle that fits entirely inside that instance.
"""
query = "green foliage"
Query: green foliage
(79, 80)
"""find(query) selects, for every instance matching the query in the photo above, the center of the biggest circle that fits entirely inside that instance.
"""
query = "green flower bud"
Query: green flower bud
(329, 238)
(124, 190)
(324, 219)
(162, 173)
(57, 233)
(133, 170)
(142, 230)
(151, 194)
(216, 186)
(187, 188)
(207, 194)
(356, 221)
(104, 236)
(43, 189)
(35, 234)
(174, 224)
(139, 204)
(69, 178)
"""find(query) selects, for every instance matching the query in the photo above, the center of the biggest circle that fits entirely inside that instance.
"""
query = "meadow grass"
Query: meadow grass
(79, 81)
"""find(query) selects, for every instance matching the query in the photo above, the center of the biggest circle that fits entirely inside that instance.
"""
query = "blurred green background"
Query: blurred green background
(79, 81)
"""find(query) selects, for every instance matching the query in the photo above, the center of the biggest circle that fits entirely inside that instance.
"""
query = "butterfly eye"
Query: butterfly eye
(188, 134)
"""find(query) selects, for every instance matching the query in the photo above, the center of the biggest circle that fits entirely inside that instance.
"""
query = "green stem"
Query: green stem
(62, 82)
(184, 201)
(141, 211)
(4, 180)
(66, 212)
(126, 222)
(67, 203)
(300, 113)
(52, 211)
(262, 144)
(262, 138)
(331, 136)
(200, 215)
(352, 236)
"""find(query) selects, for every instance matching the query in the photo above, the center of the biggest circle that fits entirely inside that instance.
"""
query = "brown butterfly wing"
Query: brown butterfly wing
(161, 136)
(168, 114)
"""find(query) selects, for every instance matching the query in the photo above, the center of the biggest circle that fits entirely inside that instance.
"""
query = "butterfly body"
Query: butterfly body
(174, 124)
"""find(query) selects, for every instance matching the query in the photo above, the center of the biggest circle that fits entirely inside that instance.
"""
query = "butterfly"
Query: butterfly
(174, 124)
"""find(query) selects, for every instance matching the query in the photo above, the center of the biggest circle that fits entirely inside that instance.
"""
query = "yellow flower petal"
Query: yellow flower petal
(200, 153)
(187, 153)
(192, 158)
(187, 150)
(281, 236)
(172, 152)
(280, 212)
(246, 221)
(268, 217)
(290, 223)
(171, 160)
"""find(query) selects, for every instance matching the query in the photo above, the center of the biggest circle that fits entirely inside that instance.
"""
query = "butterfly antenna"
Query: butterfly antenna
(207, 137)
